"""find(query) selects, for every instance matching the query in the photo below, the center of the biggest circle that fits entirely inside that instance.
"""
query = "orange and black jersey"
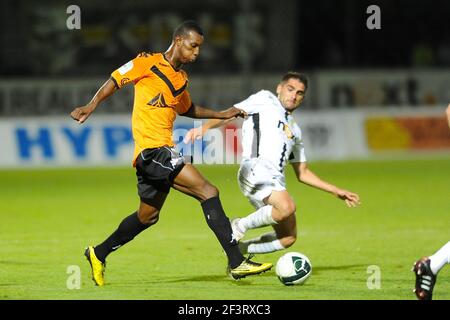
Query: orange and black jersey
(159, 94)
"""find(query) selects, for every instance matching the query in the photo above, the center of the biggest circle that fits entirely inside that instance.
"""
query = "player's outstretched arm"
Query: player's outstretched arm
(199, 132)
(198, 112)
(81, 114)
(219, 118)
(305, 175)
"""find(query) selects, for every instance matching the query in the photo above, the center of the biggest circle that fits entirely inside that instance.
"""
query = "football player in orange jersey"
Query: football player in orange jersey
(160, 87)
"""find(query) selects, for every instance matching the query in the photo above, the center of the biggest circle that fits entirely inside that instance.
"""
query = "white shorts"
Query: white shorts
(258, 178)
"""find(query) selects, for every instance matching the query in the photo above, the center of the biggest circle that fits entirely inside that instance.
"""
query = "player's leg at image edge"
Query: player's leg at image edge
(426, 270)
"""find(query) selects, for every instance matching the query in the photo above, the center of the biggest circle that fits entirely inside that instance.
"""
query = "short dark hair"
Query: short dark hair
(185, 27)
(296, 75)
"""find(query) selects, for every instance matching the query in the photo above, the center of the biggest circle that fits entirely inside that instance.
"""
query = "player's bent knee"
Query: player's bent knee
(148, 217)
(209, 191)
(287, 209)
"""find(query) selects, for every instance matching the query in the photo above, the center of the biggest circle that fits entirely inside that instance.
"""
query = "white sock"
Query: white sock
(260, 218)
(266, 237)
(441, 257)
(265, 247)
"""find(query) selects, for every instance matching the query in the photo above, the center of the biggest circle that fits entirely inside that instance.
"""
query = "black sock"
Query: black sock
(220, 225)
(129, 228)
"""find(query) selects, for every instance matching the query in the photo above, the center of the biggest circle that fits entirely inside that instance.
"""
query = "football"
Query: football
(293, 268)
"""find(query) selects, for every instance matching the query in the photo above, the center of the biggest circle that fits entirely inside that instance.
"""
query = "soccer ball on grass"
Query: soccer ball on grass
(293, 268)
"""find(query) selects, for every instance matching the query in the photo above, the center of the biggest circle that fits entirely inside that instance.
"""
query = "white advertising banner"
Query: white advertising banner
(106, 140)
(60, 141)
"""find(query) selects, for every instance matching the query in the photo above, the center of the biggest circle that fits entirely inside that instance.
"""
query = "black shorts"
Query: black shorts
(156, 169)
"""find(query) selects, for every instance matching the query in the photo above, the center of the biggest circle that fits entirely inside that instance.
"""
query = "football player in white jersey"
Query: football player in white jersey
(427, 268)
(270, 139)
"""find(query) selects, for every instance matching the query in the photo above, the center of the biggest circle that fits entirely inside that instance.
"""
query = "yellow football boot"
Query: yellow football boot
(97, 267)
(249, 268)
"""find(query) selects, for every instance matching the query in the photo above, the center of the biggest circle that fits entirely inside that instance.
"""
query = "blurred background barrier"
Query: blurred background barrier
(106, 140)
(372, 91)
(327, 90)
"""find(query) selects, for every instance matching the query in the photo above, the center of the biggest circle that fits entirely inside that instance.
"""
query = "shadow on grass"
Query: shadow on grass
(319, 269)
(18, 263)
(210, 278)
(245, 281)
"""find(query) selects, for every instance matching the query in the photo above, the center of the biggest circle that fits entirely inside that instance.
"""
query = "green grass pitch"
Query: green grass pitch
(49, 216)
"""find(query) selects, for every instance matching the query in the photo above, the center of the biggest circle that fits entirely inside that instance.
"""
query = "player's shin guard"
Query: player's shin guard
(220, 225)
(129, 228)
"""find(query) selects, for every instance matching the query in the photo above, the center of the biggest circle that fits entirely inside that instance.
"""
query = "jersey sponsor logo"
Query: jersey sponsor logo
(126, 67)
(287, 131)
(124, 81)
(158, 101)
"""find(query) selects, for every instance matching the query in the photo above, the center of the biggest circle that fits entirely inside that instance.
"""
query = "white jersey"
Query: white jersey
(270, 131)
